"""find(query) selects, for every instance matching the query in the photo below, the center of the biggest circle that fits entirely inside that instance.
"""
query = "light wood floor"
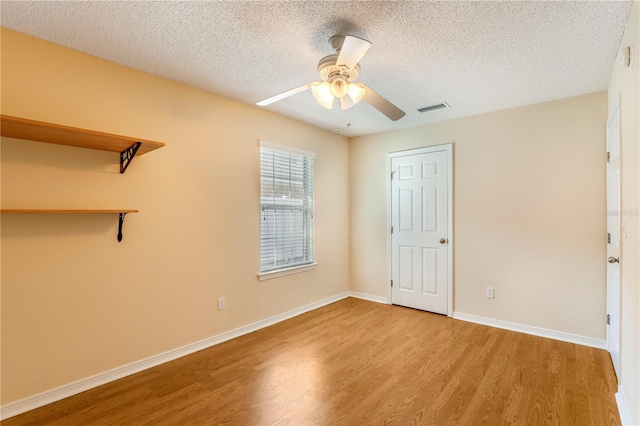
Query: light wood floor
(359, 363)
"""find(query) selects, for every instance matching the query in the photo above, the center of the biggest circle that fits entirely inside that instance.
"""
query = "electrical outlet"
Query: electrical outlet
(222, 303)
(490, 293)
(367, 274)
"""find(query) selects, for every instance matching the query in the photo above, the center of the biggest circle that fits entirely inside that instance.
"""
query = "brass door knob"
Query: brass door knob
(614, 260)
(443, 241)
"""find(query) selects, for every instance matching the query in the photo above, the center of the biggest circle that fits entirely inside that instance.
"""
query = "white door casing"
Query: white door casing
(421, 242)
(614, 217)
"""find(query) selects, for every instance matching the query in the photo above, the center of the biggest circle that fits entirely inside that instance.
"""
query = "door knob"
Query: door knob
(443, 241)
(614, 259)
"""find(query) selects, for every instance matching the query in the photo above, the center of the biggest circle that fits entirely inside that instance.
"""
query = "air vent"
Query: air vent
(433, 107)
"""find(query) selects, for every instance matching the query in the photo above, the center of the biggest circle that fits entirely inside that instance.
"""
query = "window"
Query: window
(286, 210)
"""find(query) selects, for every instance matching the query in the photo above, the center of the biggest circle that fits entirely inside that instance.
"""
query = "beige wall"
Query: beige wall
(529, 212)
(75, 302)
(624, 86)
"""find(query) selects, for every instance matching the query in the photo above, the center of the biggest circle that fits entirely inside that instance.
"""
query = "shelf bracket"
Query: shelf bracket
(120, 222)
(127, 155)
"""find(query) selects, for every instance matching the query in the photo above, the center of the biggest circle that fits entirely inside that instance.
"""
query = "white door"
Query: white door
(420, 230)
(613, 238)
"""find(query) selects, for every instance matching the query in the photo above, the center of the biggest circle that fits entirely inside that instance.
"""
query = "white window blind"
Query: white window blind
(286, 207)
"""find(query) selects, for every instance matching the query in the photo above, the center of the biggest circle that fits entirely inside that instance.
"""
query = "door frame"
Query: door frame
(448, 148)
(616, 109)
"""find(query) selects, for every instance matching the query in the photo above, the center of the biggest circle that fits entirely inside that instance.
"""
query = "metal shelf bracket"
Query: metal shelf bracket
(127, 155)
(120, 222)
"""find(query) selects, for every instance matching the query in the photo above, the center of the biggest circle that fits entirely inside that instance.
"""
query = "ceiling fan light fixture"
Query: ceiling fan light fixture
(356, 92)
(322, 93)
(346, 102)
(339, 86)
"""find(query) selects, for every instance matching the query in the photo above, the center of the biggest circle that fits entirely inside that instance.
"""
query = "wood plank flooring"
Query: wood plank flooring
(359, 363)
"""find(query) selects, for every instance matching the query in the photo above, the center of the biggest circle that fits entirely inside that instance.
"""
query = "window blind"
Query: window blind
(286, 208)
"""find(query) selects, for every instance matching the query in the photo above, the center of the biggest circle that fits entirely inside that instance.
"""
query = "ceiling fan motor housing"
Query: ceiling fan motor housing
(327, 69)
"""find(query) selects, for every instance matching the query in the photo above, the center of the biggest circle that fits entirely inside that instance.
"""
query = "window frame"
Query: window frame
(294, 269)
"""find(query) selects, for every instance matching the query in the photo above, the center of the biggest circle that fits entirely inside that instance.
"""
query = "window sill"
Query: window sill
(287, 271)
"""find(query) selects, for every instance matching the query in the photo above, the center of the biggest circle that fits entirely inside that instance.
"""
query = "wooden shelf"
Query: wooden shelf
(120, 212)
(97, 211)
(22, 128)
(128, 147)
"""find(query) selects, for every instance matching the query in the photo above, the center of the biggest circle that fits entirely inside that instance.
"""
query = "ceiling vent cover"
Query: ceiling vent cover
(433, 107)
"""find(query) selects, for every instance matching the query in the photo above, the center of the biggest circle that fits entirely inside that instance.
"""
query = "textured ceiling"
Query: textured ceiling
(476, 56)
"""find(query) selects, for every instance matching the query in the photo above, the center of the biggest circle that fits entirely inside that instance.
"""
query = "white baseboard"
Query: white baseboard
(623, 408)
(369, 297)
(18, 407)
(536, 331)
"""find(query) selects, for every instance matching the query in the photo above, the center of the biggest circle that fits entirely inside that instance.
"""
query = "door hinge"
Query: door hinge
(608, 319)
(608, 238)
(391, 283)
(608, 157)
(392, 229)
(392, 174)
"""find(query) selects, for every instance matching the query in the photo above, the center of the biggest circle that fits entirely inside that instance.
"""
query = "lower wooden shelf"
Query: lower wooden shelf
(120, 212)
(99, 211)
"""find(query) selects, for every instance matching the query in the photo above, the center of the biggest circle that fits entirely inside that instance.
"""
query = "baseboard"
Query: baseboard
(623, 408)
(369, 297)
(536, 331)
(18, 407)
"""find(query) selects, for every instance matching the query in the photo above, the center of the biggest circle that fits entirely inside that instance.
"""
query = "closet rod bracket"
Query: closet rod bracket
(127, 155)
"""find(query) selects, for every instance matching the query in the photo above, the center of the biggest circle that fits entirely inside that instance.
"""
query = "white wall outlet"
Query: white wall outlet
(490, 293)
(222, 303)
(367, 274)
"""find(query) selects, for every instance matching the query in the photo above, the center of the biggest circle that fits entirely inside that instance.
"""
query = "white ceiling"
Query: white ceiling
(476, 56)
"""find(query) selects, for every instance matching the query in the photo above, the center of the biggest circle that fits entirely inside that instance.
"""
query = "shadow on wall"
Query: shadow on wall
(59, 157)
(36, 226)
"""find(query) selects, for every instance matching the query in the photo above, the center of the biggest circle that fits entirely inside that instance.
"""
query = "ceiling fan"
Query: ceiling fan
(338, 71)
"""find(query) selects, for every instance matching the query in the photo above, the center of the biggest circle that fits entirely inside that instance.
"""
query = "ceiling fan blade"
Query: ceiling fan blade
(352, 50)
(286, 94)
(383, 105)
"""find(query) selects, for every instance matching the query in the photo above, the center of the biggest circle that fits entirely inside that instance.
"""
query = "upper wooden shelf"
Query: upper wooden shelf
(128, 147)
(21, 128)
